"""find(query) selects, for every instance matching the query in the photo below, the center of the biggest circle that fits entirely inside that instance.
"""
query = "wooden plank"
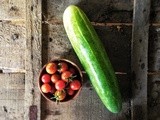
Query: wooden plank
(12, 86)
(12, 45)
(12, 96)
(56, 45)
(117, 43)
(154, 80)
(12, 9)
(154, 97)
(155, 5)
(154, 51)
(139, 59)
(33, 60)
(87, 106)
(94, 9)
(12, 109)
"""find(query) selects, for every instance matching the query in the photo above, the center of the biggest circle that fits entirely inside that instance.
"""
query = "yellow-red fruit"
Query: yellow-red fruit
(51, 68)
(46, 88)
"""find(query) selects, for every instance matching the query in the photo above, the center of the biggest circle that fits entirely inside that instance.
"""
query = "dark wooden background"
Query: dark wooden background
(32, 33)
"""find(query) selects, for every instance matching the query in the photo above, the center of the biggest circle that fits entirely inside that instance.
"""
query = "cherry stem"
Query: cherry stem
(71, 78)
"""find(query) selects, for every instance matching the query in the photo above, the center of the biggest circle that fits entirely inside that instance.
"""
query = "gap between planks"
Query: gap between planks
(103, 24)
(14, 70)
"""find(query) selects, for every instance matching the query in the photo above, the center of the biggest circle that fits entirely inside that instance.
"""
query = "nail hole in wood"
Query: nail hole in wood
(50, 39)
(32, 91)
(15, 36)
(5, 109)
(32, 8)
(31, 57)
(142, 66)
(32, 38)
(90, 89)
(140, 60)
(140, 40)
(1, 71)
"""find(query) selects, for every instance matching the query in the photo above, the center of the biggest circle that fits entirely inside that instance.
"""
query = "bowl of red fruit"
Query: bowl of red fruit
(60, 80)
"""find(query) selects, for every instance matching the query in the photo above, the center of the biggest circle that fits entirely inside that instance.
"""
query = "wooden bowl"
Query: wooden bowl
(79, 77)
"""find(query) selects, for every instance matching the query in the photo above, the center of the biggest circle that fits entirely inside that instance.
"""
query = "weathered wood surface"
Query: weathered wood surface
(22, 51)
(113, 23)
(33, 61)
(117, 41)
(13, 9)
(20, 59)
(12, 45)
(154, 80)
(12, 59)
(139, 59)
(92, 108)
(12, 96)
(87, 106)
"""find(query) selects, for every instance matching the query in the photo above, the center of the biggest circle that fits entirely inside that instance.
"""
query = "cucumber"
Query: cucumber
(93, 57)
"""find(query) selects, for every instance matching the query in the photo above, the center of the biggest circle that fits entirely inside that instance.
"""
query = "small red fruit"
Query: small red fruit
(60, 95)
(51, 68)
(70, 91)
(53, 90)
(46, 88)
(46, 78)
(60, 85)
(55, 78)
(66, 75)
(62, 66)
(75, 85)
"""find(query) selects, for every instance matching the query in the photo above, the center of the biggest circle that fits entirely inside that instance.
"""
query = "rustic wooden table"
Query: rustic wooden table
(32, 33)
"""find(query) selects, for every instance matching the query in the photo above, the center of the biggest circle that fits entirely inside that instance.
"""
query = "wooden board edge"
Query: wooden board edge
(139, 59)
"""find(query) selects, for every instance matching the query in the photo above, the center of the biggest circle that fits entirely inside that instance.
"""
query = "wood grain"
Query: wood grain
(21, 48)
(139, 59)
(154, 80)
(12, 9)
(56, 45)
(12, 96)
(87, 106)
(12, 45)
(33, 57)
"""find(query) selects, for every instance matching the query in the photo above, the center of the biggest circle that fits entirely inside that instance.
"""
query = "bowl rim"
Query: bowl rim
(70, 62)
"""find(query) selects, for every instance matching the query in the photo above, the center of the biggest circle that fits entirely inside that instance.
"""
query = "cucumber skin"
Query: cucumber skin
(93, 57)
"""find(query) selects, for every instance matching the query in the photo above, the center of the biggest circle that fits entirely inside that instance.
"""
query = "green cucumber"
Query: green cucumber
(93, 57)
